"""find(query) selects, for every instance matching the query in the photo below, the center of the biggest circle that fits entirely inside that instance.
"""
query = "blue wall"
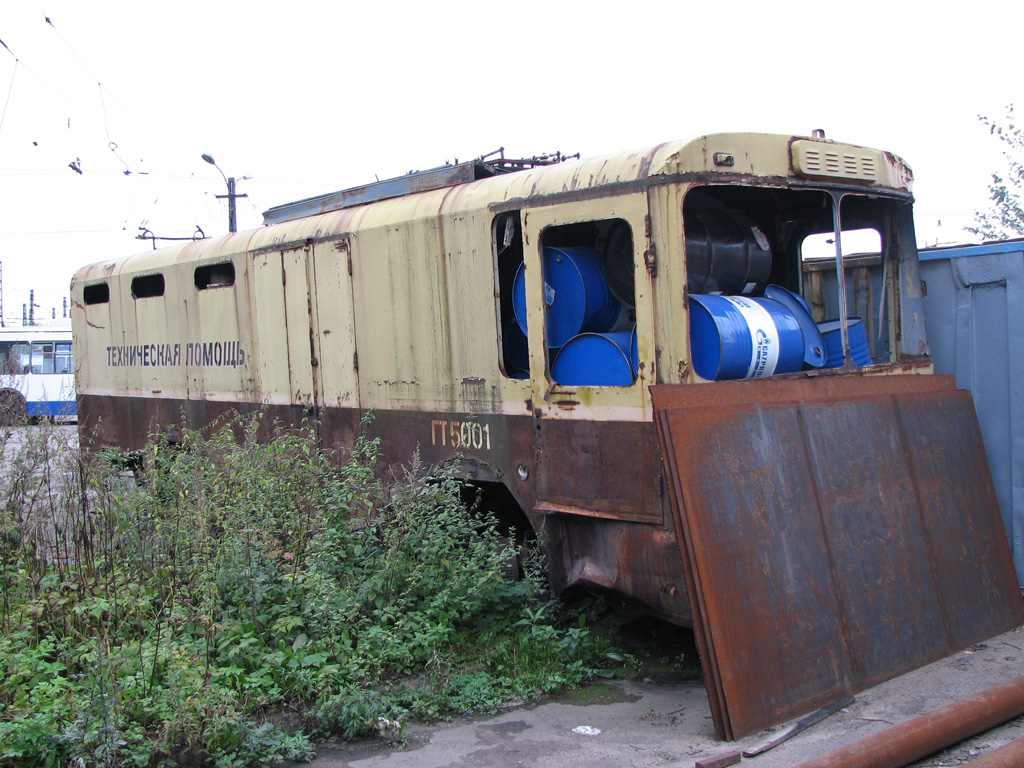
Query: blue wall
(974, 309)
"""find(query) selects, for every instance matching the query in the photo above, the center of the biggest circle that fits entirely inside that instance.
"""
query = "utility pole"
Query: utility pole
(231, 196)
(232, 217)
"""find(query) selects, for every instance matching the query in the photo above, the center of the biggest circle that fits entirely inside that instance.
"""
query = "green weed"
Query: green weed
(179, 618)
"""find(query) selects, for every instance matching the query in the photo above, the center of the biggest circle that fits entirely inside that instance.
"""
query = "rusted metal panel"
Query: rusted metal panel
(128, 423)
(825, 546)
(609, 468)
(827, 385)
(972, 549)
(639, 561)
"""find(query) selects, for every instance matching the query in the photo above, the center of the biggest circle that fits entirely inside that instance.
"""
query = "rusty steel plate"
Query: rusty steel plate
(831, 544)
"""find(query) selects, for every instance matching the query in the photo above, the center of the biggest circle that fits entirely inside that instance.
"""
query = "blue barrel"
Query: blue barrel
(596, 359)
(517, 355)
(832, 333)
(576, 294)
(739, 337)
(814, 345)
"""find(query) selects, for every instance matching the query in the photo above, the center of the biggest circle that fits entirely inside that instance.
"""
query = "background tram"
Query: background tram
(37, 375)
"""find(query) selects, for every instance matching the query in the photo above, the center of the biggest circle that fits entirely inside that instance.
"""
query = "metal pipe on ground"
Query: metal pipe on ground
(905, 743)
(1007, 756)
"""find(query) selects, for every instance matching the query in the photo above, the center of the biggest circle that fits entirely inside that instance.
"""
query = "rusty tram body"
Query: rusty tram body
(410, 298)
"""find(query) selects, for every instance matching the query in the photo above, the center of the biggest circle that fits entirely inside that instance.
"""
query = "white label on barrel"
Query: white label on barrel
(549, 294)
(764, 336)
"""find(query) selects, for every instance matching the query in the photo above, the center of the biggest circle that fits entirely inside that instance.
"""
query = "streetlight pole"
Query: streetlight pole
(231, 196)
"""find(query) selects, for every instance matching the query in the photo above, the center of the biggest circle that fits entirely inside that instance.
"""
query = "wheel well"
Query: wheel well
(497, 499)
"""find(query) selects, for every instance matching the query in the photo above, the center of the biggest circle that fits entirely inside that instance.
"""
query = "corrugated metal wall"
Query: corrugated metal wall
(974, 308)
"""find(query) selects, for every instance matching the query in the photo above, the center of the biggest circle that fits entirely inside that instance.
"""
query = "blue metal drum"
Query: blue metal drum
(833, 336)
(597, 359)
(576, 294)
(814, 345)
(740, 337)
(517, 355)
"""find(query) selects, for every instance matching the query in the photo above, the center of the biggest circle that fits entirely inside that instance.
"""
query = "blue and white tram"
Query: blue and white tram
(37, 374)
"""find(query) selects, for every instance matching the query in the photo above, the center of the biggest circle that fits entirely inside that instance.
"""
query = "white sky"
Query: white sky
(313, 97)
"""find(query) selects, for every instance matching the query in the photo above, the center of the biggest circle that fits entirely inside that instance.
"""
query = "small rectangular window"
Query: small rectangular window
(147, 286)
(98, 293)
(215, 276)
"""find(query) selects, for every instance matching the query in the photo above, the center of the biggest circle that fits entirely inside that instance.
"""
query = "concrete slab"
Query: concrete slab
(646, 723)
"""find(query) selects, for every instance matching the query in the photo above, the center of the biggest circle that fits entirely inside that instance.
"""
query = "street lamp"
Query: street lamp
(231, 196)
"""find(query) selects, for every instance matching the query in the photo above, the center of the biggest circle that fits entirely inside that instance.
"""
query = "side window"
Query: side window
(148, 286)
(507, 246)
(215, 276)
(20, 359)
(97, 293)
(64, 360)
(10, 359)
(42, 357)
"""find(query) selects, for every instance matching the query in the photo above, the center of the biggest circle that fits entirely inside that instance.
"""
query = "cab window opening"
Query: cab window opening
(751, 248)
(590, 303)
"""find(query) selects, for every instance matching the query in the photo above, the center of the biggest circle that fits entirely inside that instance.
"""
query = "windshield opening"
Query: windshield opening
(745, 244)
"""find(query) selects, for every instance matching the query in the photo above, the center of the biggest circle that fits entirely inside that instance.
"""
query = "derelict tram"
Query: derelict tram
(516, 322)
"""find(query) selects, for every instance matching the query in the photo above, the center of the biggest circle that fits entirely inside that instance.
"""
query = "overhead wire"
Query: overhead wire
(111, 144)
(10, 88)
(20, 62)
(107, 100)
(105, 96)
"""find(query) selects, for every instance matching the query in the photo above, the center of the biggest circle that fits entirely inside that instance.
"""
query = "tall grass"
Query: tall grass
(241, 599)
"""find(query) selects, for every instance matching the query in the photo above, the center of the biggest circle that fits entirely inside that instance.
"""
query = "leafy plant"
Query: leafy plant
(243, 592)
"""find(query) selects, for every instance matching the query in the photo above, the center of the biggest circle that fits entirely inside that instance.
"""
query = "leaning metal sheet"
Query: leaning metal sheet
(835, 534)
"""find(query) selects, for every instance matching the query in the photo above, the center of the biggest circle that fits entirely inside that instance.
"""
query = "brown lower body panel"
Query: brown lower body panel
(836, 533)
(592, 491)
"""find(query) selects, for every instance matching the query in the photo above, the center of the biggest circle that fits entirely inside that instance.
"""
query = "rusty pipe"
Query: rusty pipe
(1007, 756)
(903, 744)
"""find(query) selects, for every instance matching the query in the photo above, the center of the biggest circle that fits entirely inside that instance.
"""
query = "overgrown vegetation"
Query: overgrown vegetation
(247, 598)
